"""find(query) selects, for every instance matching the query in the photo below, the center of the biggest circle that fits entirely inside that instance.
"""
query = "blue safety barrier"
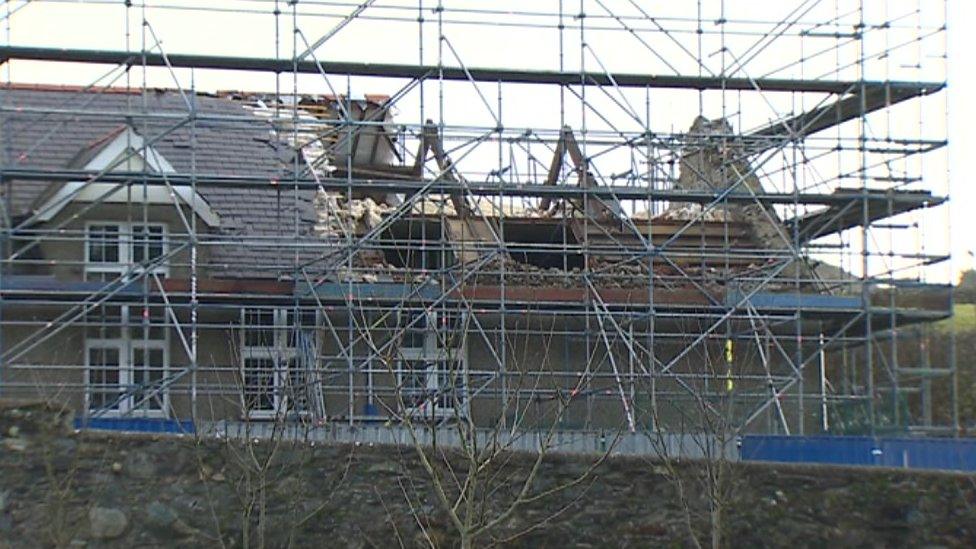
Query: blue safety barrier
(913, 453)
(819, 449)
(930, 453)
(136, 425)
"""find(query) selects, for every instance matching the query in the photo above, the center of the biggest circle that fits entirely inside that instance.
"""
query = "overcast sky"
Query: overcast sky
(249, 30)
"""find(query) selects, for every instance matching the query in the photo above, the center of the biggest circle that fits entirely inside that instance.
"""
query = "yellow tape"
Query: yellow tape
(729, 385)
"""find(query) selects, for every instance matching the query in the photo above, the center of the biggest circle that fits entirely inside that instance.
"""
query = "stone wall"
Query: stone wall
(59, 488)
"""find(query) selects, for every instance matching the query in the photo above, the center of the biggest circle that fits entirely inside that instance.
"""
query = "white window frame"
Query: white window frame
(126, 244)
(281, 354)
(441, 360)
(126, 346)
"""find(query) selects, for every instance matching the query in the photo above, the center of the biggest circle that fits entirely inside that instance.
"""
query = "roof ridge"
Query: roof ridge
(376, 98)
(44, 87)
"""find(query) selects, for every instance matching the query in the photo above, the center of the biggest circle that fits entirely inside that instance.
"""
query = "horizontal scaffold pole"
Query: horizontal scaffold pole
(482, 74)
(485, 188)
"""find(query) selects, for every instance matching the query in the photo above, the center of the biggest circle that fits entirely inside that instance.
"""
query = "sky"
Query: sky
(474, 37)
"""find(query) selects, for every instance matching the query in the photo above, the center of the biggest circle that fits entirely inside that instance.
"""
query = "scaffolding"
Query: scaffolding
(590, 212)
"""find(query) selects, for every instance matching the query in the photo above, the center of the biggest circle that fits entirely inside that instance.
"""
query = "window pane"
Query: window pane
(259, 384)
(148, 370)
(305, 328)
(258, 328)
(299, 385)
(416, 382)
(414, 330)
(147, 243)
(103, 379)
(103, 243)
(101, 276)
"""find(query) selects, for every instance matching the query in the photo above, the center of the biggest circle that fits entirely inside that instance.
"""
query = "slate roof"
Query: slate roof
(239, 144)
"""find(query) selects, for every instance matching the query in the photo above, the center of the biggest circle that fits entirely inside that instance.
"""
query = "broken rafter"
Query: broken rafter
(481, 228)
(431, 141)
(609, 208)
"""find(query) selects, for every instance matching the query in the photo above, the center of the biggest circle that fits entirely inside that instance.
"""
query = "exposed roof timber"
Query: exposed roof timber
(285, 65)
(490, 188)
(873, 98)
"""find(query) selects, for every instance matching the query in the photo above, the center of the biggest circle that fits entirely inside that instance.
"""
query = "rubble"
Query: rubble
(336, 217)
(630, 275)
(689, 211)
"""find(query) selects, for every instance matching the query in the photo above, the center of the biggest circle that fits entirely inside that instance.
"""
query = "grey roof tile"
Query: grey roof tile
(38, 129)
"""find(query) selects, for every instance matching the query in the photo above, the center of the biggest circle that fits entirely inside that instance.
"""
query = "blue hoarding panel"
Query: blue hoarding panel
(955, 454)
(914, 453)
(792, 449)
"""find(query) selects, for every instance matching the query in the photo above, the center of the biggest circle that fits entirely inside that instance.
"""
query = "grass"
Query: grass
(965, 319)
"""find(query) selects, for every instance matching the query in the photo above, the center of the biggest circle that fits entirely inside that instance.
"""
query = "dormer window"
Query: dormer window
(112, 249)
(122, 150)
(125, 151)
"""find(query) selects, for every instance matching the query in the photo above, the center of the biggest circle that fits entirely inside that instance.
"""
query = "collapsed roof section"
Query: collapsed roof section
(334, 135)
(556, 240)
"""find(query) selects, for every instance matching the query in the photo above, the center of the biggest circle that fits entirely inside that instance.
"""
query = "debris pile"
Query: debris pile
(689, 211)
(628, 275)
(337, 217)
(525, 274)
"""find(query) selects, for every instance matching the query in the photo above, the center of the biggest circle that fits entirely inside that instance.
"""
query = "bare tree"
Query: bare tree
(477, 479)
(703, 486)
(264, 462)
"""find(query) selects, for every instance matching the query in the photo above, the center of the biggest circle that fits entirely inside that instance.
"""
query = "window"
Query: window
(259, 384)
(112, 248)
(104, 369)
(103, 244)
(148, 243)
(127, 358)
(259, 328)
(148, 369)
(416, 330)
(432, 386)
(278, 361)
(432, 366)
